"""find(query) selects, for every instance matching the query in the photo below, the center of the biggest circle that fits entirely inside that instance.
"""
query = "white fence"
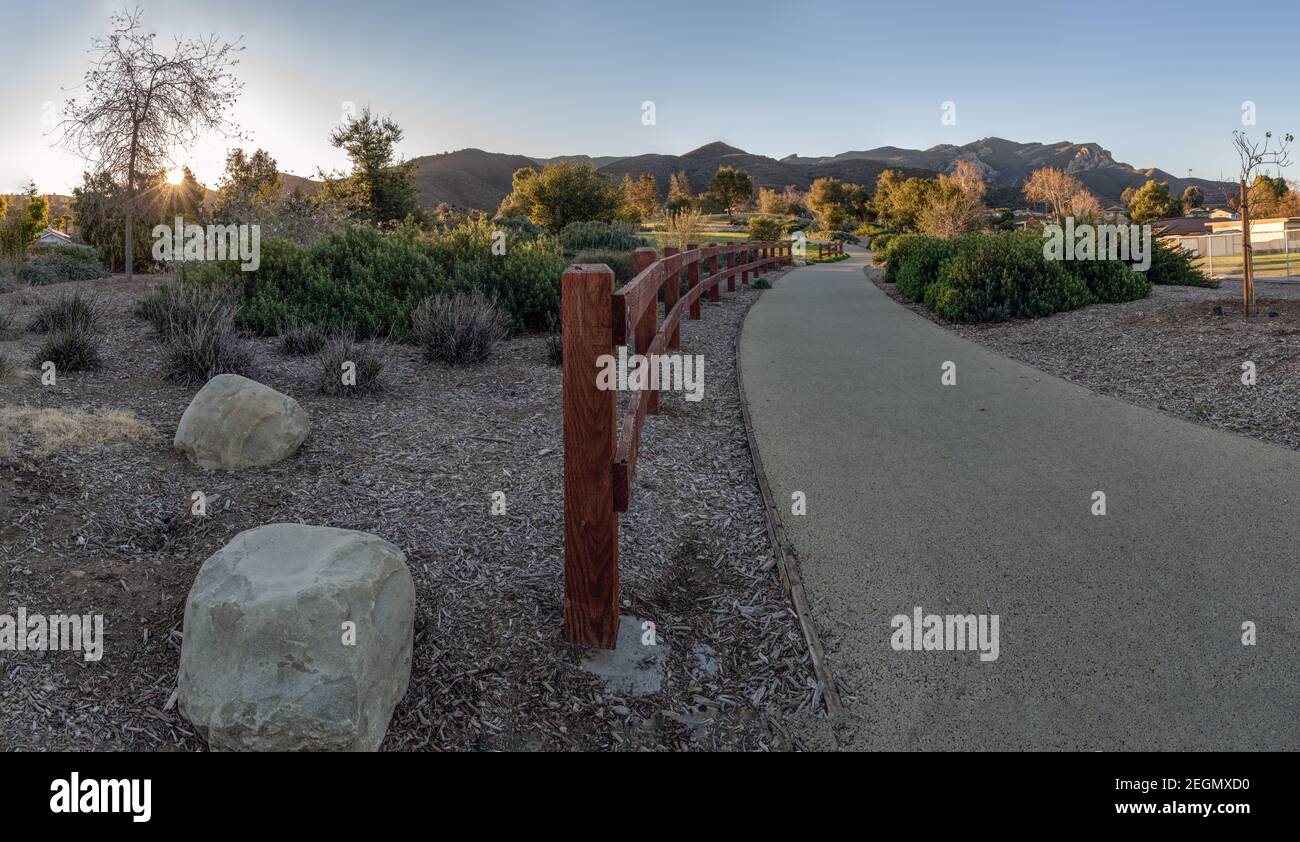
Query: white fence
(1276, 253)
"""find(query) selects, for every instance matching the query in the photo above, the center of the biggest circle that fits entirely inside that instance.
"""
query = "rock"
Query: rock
(265, 665)
(234, 422)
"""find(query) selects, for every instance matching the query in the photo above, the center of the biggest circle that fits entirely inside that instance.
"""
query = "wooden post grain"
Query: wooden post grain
(745, 257)
(673, 291)
(648, 325)
(590, 522)
(715, 294)
(692, 281)
(736, 256)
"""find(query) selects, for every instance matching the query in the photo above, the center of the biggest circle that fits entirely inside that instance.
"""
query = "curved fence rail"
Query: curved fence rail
(600, 450)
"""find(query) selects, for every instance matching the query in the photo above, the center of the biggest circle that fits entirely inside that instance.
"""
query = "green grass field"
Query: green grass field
(1268, 264)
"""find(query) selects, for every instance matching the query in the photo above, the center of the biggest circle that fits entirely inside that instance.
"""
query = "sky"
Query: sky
(1156, 83)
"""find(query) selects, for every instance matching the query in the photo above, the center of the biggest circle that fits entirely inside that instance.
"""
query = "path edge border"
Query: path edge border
(787, 558)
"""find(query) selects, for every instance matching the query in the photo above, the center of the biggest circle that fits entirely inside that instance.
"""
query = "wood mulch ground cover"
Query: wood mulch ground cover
(106, 530)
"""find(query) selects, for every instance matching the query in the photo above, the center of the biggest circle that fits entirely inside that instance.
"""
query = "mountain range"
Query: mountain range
(472, 178)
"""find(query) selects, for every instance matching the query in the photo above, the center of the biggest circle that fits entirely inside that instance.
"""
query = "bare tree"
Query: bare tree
(1253, 156)
(1054, 188)
(141, 105)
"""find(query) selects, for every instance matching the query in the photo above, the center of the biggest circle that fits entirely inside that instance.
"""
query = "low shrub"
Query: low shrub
(1171, 265)
(619, 261)
(52, 267)
(882, 251)
(459, 329)
(1110, 280)
(766, 229)
(762, 283)
(179, 307)
(71, 349)
(8, 324)
(75, 251)
(67, 312)
(995, 277)
(363, 377)
(604, 236)
(913, 264)
(199, 344)
(302, 339)
(519, 228)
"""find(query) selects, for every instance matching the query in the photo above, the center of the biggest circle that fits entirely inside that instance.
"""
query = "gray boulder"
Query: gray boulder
(266, 664)
(234, 422)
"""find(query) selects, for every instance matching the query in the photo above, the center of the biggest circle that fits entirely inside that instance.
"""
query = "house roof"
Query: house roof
(1181, 226)
(50, 232)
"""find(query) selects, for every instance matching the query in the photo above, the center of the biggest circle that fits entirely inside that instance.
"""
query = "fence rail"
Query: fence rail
(600, 450)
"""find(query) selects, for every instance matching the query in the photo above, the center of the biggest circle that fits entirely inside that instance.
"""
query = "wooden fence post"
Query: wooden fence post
(745, 256)
(673, 291)
(692, 281)
(737, 254)
(590, 437)
(715, 294)
(648, 325)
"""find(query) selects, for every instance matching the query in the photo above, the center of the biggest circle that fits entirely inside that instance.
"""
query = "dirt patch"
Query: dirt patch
(108, 531)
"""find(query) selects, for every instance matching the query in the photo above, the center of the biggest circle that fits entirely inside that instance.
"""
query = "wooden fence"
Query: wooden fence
(600, 450)
(830, 249)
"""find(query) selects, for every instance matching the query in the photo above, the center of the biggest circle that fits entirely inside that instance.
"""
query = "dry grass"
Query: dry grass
(51, 431)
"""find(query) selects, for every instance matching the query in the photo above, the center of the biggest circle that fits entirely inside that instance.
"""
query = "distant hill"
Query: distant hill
(1007, 164)
(473, 178)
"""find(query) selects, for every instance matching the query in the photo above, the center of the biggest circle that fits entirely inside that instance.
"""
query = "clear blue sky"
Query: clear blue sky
(1156, 83)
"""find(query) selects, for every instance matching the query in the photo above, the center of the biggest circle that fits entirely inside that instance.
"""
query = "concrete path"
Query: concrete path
(1121, 631)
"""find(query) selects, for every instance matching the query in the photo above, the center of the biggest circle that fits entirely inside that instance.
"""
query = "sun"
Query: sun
(175, 176)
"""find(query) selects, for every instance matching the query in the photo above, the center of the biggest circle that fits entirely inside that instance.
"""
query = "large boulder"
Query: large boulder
(267, 660)
(234, 422)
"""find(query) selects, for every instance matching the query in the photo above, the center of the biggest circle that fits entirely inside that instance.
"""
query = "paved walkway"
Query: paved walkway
(1116, 632)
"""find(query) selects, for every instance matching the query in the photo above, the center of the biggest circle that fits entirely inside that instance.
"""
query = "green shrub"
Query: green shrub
(619, 261)
(370, 282)
(66, 313)
(74, 349)
(605, 236)
(460, 329)
(883, 250)
(765, 229)
(1170, 264)
(913, 264)
(762, 283)
(1110, 280)
(524, 282)
(518, 228)
(74, 251)
(368, 363)
(356, 276)
(52, 267)
(995, 277)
